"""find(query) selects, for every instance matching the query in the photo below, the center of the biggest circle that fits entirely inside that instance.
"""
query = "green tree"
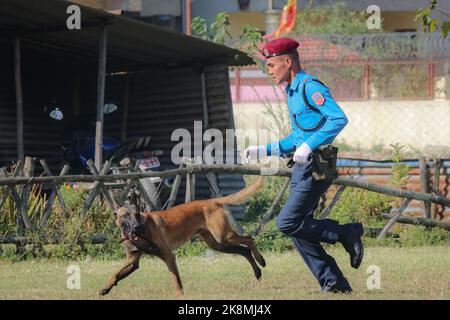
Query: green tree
(432, 24)
(247, 41)
(330, 19)
(217, 32)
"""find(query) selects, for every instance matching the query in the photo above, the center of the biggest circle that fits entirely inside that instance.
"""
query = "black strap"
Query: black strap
(313, 108)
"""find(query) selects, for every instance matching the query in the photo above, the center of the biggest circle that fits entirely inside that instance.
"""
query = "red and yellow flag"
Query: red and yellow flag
(287, 20)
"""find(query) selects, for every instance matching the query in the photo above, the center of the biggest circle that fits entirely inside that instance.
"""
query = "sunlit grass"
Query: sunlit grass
(406, 273)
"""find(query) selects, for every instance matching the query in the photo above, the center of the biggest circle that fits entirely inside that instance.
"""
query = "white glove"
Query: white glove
(301, 155)
(254, 152)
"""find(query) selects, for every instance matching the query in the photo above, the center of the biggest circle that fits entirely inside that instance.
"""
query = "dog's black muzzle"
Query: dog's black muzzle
(132, 225)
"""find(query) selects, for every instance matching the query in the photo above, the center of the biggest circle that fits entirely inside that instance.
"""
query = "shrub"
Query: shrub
(193, 247)
(423, 236)
(356, 205)
(273, 240)
(261, 201)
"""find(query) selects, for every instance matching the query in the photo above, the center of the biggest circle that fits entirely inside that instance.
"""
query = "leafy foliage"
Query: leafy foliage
(218, 30)
(332, 19)
(361, 206)
(430, 24)
(399, 170)
(199, 28)
(261, 201)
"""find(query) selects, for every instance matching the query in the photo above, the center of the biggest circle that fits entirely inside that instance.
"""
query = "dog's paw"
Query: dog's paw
(180, 293)
(104, 291)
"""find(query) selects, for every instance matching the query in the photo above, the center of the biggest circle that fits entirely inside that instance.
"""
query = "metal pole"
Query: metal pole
(187, 16)
(237, 78)
(204, 102)
(366, 82)
(19, 98)
(125, 108)
(100, 97)
(431, 80)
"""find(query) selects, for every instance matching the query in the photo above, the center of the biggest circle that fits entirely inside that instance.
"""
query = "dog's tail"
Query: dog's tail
(241, 196)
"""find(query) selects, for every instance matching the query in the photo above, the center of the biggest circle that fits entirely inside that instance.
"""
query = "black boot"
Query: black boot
(341, 286)
(350, 236)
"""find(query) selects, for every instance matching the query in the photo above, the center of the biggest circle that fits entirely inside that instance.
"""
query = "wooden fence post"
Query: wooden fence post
(437, 173)
(175, 187)
(326, 212)
(188, 193)
(28, 170)
(425, 184)
(271, 211)
(95, 190)
(55, 193)
(16, 172)
(397, 214)
(190, 181)
(112, 204)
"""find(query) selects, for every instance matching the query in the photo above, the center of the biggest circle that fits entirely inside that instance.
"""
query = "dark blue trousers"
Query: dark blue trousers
(296, 219)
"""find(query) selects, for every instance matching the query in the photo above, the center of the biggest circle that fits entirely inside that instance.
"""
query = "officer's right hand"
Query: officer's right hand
(302, 154)
(253, 153)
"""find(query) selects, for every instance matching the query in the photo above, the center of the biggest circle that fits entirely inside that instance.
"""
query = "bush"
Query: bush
(273, 240)
(261, 201)
(423, 236)
(193, 247)
(65, 235)
(356, 205)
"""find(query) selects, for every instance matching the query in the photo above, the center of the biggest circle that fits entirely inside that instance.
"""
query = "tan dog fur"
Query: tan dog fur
(169, 229)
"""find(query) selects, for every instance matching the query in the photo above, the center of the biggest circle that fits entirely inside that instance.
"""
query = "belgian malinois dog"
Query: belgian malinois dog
(158, 233)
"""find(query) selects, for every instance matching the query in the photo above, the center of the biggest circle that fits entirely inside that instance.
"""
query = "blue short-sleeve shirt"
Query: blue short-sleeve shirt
(325, 130)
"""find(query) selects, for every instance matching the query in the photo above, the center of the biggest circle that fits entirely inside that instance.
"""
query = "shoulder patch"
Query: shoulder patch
(318, 98)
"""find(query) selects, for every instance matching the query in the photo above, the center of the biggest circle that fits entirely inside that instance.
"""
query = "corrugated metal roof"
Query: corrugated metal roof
(131, 43)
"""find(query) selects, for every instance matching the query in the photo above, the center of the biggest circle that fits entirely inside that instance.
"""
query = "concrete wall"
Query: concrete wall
(239, 19)
(418, 125)
(209, 8)
(392, 21)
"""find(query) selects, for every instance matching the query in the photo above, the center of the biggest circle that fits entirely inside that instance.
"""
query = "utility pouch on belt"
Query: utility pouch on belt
(324, 163)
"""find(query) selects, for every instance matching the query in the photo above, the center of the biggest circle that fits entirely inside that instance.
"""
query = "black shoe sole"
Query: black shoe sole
(361, 256)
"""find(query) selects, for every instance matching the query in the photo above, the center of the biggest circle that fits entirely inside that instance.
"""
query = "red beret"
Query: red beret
(279, 46)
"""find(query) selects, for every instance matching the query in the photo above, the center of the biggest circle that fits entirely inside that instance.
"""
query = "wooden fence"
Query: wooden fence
(19, 181)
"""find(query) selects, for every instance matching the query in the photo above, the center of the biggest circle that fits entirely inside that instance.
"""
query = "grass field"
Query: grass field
(406, 273)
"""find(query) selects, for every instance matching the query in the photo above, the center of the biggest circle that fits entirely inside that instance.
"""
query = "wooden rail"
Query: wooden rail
(21, 178)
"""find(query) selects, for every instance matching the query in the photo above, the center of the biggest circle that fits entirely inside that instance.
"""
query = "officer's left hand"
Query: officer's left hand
(302, 154)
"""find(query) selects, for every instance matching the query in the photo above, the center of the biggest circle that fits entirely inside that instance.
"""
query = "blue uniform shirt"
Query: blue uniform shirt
(319, 96)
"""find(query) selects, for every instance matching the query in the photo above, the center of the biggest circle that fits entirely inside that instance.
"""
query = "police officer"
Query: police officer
(316, 119)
